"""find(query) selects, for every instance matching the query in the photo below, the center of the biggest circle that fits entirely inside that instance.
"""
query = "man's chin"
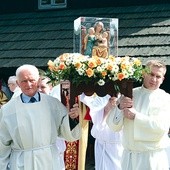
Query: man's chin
(30, 93)
(152, 88)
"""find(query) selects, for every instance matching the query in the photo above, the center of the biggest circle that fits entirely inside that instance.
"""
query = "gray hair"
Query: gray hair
(12, 79)
(27, 67)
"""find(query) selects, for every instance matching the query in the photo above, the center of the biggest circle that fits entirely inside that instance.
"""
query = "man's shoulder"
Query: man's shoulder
(48, 97)
(137, 89)
(164, 94)
(10, 105)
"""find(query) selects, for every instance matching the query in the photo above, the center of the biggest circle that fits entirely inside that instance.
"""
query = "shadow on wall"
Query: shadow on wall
(166, 82)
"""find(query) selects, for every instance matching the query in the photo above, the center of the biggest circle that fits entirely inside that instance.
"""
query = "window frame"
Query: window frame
(51, 5)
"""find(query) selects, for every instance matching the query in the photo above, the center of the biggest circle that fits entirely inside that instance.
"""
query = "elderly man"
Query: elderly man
(12, 84)
(145, 120)
(30, 125)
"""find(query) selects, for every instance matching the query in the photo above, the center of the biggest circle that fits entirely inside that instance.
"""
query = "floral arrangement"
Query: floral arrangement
(78, 68)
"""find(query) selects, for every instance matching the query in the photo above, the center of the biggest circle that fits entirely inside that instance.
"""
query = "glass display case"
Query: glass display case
(96, 36)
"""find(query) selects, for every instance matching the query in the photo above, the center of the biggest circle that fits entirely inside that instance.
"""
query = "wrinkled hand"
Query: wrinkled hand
(125, 102)
(74, 112)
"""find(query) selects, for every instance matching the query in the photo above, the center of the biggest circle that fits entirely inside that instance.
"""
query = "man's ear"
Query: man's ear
(163, 79)
(143, 74)
(39, 80)
(17, 83)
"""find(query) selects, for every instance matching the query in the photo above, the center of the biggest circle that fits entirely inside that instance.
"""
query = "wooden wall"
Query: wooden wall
(10, 6)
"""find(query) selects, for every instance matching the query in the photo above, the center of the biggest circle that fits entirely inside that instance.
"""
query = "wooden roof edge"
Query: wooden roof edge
(77, 12)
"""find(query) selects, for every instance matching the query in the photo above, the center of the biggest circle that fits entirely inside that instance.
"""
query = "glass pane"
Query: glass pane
(45, 2)
(59, 1)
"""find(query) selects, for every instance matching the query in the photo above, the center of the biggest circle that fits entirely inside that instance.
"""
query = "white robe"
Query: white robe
(108, 147)
(17, 92)
(145, 137)
(28, 133)
(60, 142)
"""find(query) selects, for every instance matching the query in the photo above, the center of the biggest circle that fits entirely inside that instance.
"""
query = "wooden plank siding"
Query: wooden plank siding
(36, 37)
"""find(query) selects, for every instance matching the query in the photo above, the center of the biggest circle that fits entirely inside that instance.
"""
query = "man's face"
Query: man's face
(28, 83)
(12, 86)
(154, 78)
(44, 87)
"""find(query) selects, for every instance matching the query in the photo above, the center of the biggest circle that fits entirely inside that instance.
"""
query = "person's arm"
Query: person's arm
(115, 119)
(74, 116)
(115, 116)
(68, 129)
(5, 145)
(152, 127)
(110, 105)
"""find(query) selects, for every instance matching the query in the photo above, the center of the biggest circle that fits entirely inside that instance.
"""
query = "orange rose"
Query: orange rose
(104, 73)
(92, 64)
(62, 66)
(78, 65)
(89, 72)
(120, 76)
(124, 66)
(109, 67)
(51, 66)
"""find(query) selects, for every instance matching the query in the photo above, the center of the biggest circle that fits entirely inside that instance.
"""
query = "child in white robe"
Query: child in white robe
(108, 147)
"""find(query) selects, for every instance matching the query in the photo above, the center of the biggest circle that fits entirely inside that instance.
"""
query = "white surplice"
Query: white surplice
(28, 133)
(144, 138)
(108, 144)
(60, 142)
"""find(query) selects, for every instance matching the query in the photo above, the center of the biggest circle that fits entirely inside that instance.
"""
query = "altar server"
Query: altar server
(108, 144)
(145, 120)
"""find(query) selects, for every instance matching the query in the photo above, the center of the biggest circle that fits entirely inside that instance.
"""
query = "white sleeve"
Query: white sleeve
(115, 119)
(55, 92)
(95, 103)
(5, 145)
